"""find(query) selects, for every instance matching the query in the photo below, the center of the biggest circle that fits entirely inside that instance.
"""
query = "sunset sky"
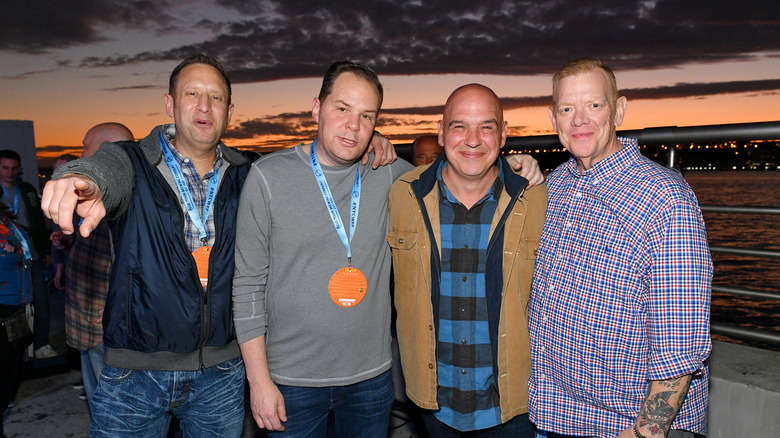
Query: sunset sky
(70, 64)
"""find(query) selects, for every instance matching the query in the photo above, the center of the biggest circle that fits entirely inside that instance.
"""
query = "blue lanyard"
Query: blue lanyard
(22, 242)
(15, 209)
(331, 203)
(186, 195)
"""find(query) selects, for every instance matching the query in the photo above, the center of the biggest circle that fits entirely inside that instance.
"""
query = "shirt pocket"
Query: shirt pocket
(406, 262)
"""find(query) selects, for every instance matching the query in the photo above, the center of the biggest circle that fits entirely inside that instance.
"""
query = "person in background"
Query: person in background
(88, 269)
(620, 307)
(23, 201)
(15, 333)
(425, 149)
(463, 233)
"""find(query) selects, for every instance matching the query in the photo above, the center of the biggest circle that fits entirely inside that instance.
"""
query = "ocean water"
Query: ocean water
(753, 189)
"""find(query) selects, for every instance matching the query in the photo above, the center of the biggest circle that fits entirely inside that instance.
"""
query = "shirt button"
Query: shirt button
(430, 327)
(463, 372)
(463, 342)
(568, 224)
(551, 288)
(542, 376)
(541, 348)
(462, 310)
(545, 318)
(430, 366)
(465, 279)
(465, 247)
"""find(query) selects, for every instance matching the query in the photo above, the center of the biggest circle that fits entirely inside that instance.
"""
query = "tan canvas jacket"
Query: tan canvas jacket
(410, 243)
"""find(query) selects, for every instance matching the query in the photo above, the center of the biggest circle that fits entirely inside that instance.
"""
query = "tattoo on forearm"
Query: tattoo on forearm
(657, 412)
(671, 383)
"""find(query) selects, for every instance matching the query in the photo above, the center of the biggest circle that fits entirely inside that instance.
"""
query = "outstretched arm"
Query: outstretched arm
(73, 193)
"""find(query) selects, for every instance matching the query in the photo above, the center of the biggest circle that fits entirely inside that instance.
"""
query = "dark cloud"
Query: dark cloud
(278, 39)
(134, 87)
(39, 26)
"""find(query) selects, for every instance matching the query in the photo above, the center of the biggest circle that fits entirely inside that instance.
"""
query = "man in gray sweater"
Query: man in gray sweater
(311, 298)
(312, 346)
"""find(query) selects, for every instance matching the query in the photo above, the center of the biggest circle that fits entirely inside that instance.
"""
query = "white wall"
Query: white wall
(18, 135)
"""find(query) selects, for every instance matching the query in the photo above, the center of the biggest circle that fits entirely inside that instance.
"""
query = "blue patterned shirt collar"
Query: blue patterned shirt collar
(611, 165)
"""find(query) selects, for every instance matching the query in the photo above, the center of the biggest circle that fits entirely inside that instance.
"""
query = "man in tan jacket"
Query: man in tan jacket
(464, 233)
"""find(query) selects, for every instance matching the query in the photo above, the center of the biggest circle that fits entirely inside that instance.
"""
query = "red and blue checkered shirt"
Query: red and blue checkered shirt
(621, 296)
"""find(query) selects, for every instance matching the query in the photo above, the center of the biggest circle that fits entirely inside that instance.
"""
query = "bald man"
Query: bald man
(463, 233)
(87, 270)
(425, 149)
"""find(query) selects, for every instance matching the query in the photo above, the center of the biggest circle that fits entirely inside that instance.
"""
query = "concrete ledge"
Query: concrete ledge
(744, 392)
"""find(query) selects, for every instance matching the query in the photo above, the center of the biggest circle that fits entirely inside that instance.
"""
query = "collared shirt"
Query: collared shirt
(621, 295)
(87, 271)
(467, 394)
(199, 189)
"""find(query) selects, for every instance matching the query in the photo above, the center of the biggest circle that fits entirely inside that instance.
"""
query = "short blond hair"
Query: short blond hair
(585, 65)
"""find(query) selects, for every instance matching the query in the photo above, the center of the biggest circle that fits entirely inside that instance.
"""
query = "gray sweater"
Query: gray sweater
(287, 249)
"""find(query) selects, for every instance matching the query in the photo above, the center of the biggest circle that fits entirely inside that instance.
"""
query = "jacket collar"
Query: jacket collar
(150, 146)
(514, 184)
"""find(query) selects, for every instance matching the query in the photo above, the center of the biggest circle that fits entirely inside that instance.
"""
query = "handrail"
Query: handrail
(745, 251)
(744, 333)
(746, 292)
(669, 135)
(739, 210)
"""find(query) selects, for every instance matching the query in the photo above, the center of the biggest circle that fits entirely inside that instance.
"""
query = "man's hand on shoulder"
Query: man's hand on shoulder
(384, 151)
(73, 193)
(528, 167)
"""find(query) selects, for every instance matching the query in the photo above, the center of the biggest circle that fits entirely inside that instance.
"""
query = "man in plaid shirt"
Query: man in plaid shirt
(620, 307)
(88, 268)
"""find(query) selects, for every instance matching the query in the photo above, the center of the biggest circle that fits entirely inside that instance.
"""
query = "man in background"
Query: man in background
(425, 149)
(88, 269)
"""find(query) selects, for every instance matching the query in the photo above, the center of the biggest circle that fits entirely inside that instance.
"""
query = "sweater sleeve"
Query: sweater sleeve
(252, 258)
(112, 171)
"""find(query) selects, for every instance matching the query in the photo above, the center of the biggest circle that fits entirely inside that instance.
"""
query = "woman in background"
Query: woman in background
(15, 334)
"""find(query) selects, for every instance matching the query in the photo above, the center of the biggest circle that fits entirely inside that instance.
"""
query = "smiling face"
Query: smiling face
(586, 118)
(473, 131)
(346, 119)
(199, 108)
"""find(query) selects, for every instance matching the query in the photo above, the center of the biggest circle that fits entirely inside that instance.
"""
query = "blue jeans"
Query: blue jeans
(360, 410)
(91, 368)
(137, 403)
(519, 427)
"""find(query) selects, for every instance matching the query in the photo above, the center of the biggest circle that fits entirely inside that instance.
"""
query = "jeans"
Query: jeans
(91, 367)
(360, 410)
(519, 426)
(40, 302)
(138, 403)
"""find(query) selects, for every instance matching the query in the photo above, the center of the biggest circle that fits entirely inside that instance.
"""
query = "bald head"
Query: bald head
(102, 133)
(471, 94)
(425, 149)
(472, 131)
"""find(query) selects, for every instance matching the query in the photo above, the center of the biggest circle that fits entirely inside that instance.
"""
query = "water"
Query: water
(743, 188)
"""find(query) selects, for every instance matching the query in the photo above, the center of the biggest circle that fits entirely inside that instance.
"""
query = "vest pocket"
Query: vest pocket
(406, 263)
